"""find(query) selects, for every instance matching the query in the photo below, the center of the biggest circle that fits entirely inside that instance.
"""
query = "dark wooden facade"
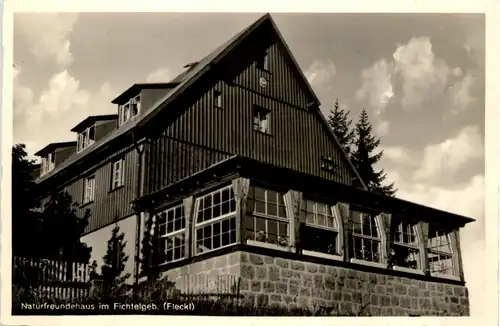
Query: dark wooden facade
(192, 133)
(109, 205)
(298, 138)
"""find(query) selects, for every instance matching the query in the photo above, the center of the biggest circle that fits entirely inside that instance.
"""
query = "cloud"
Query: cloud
(159, 76)
(423, 74)
(52, 114)
(467, 200)
(321, 73)
(397, 155)
(461, 94)
(448, 156)
(48, 34)
(377, 85)
(381, 128)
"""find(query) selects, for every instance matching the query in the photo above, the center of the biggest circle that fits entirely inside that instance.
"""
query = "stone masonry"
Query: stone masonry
(267, 280)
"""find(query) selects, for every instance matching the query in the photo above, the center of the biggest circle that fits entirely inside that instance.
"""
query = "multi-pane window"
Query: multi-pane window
(365, 238)
(48, 163)
(88, 189)
(320, 231)
(171, 233)
(218, 99)
(118, 175)
(261, 119)
(266, 219)
(215, 220)
(129, 110)
(263, 62)
(86, 138)
(405, 252)
(440, 253)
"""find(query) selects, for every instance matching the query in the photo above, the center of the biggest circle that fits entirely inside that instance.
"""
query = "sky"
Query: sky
(421, 78)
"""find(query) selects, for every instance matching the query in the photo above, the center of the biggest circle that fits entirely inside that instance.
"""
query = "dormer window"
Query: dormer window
(48, 163)
(86, 138)
(129, 110)
(263, 62)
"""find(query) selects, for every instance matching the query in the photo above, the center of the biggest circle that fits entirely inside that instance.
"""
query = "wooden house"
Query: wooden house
(235, 168)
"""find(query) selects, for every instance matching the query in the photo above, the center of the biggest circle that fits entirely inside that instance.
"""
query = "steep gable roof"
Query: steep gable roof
(188, 78)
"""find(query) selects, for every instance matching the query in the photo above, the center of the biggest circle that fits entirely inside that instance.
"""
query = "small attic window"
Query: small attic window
(328, 164)
(129, 110)
(48, 163)
(86, 138)
(263, 61)
(218, 99)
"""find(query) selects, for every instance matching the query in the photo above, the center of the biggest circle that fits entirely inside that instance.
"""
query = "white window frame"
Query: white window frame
(48, 163)
(450, 254)
(411, 230)
(89, 189)
(258, 114)
(314, 224)
(126, 110)
(370, 238)
(179, 233)
(282, 240)
(84, 140)
(117, 173)
(215, 220)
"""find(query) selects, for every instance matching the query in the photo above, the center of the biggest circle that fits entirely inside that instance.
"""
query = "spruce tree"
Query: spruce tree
(341, 124)
(62, 228)
(26, 221)
(114, 265)
(365, 157)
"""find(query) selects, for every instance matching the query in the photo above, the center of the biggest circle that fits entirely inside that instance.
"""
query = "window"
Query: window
(48, 163)
(261, 117)
(328, 164)
(215, 220)
(89, 190)
(118, 174)
(405, 251)
(135, 105)
(266, 219)
(320, 231)
(263, 62)
(218, 99)
(365, 239)
(171, 231)
(440, 252)
(86, 138)
(129, 110)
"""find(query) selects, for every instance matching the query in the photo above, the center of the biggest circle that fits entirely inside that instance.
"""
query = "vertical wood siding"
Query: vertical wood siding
(108, 205)
(297, 141)
(174, 160)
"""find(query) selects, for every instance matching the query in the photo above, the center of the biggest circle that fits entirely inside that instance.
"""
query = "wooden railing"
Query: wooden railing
(52, 279)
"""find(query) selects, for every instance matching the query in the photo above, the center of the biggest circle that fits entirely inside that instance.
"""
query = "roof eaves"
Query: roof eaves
(200, 69)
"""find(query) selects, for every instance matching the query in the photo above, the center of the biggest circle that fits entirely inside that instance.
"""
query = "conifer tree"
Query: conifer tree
(26, 221)
(365, 157)
(341, 124)
(150, 251)
(114, 265)
(62, 228)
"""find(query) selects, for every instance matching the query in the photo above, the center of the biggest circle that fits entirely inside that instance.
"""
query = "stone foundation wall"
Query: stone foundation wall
(210, 275)
(270, 280)
(267, 280)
